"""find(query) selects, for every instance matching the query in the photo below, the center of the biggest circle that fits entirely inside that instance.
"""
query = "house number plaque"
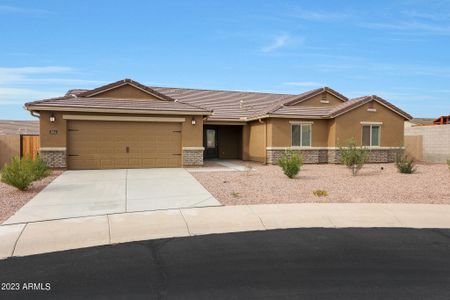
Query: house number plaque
(53, 131)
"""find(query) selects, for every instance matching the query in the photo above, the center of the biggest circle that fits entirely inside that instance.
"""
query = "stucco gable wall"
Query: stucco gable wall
(126, 91)
(349, 124)
(315, 101)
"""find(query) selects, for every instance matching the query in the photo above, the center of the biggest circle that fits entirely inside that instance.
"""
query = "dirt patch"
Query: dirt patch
(11, 199)
(375, 183)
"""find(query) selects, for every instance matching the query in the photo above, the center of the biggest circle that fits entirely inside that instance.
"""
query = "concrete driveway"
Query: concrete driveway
(99, 192)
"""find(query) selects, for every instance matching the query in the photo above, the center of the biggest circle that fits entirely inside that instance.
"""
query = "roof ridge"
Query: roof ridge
(221, 90)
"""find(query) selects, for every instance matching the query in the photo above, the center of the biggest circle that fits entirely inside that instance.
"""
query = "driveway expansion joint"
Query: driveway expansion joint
(109, 228)
(15, 244)
(259, 217)
(185, 222)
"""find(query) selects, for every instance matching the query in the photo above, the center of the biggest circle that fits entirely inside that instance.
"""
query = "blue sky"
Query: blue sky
(399, 50)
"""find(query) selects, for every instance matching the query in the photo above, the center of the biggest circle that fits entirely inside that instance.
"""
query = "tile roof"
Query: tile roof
(422, 121)
(303, 111)
(116, 103)
(225, 105)
(8, 127)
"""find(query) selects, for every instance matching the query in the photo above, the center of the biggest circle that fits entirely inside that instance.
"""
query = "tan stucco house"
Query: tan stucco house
(129, 125)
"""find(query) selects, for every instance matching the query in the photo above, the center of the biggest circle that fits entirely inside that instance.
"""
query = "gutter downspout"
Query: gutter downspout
(265, 139)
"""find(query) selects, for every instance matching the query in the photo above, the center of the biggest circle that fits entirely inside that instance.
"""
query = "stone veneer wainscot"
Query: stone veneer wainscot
(332, 155)
(54, 157)
(193, 156)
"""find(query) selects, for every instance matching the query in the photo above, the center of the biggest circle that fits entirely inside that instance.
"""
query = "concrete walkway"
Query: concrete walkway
(58, 235)
(101, 192)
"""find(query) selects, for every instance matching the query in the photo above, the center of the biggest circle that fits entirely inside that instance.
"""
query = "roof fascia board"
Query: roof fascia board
(228, 122)
(122, 118)
(287, 117)
(115, 110)
(298, 116)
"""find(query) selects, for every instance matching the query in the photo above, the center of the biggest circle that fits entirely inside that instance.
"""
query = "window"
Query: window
(371, 135)
(301, 135)
(210, 138)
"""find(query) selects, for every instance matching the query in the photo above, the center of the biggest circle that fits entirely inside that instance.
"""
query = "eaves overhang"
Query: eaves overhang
(115, 110)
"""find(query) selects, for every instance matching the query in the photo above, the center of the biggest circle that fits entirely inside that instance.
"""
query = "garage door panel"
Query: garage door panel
(85, 163)
(107, 164)
(103, 145)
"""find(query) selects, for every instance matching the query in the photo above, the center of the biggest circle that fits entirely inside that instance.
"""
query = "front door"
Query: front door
(210, 142)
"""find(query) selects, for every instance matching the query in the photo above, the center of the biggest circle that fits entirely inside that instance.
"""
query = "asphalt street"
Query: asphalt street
(280, 264)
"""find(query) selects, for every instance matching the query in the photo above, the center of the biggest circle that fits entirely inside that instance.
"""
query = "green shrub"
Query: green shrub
(235, 194)
(320, 193)
(291, 163)
(353, 156)
(18, 173)
(405, 165)
(39, 168)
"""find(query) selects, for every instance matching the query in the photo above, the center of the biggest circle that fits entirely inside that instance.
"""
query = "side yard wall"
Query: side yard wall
(435, 142)
(9, 147)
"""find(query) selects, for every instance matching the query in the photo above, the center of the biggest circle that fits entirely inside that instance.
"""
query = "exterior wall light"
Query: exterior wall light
(193, 121)
(52, 118)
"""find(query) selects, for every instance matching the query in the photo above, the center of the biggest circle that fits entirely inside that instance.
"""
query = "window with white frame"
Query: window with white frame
(301, 134)
(371, 135)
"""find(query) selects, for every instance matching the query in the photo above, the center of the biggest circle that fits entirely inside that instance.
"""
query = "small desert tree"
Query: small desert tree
(291, 163)
(353, 156)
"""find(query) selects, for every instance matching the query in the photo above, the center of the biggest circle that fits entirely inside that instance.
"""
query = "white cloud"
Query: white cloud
(279, 42)
(433, 16)
(304, 83)
(33, 75)
(22, 95)
(317, 16)
(410, 26)
(21, 84)
(35, 70)
(22, 10)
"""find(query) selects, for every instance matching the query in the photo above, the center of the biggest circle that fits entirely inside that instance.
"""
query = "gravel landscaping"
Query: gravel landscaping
(374, 183)
(11, 199)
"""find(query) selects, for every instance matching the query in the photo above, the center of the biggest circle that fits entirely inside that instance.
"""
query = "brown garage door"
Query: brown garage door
(115, 145)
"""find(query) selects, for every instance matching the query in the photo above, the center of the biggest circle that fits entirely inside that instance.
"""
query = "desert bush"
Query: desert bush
(448, 163)
(405, 165)
(353, 156)
(18, 173)
(235, 194)
(39, 168)
(291, 163)
(320, 193)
